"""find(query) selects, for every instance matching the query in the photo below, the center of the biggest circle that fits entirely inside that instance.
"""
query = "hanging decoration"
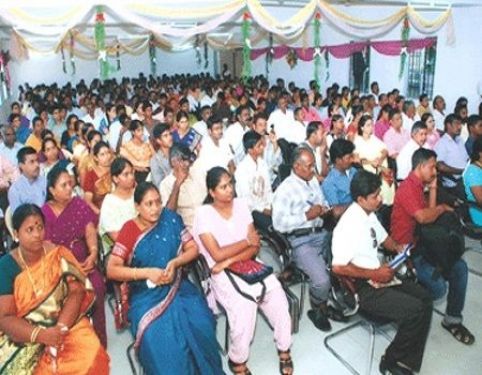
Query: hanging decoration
(404, 53)
(197, 48)
(327, 65)
(246, 72)
(100, 43)
(71, 53)
(206, 55)
(64, 64)
(117, 56)
(152, 55)
(269, 54)
(4, 72)
(317, 44)
(292, 58)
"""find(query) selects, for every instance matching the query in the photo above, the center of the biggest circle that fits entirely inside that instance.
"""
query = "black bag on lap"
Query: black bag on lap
(442, 243)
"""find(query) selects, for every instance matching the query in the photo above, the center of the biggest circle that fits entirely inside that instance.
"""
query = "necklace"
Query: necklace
(37, 292)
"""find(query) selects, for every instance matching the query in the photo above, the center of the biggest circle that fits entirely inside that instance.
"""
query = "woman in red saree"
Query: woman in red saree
(70, 222)
(44, 298)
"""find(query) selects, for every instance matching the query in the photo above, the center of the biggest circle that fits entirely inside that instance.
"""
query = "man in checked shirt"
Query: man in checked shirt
(298, 210)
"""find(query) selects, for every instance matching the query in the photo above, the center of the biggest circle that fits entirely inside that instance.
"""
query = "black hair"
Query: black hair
(23, 152)
(450, 119)
(181, 114)
(312, 127)
(425, 117)
(134, 125)
(250, 139)
(118, 166)
(142, 189)
(385, 109)
(296, 111)
(53, 177)
(35, 119)
(258, 116)
(361, 124)
(92, 134)
(98, 146)
(159, 129)
(214, 119)
(417, 125)
(340, 148)
(213, 177)
(422, 97)
(240, 109)
(363, 184)
(23, 212)
(421, 156)
(393, 112)
(476, 149)
(46, 140)
(472, 120)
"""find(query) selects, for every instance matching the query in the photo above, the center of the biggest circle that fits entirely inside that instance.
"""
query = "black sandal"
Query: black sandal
(238, 371)
(460, 332)
(285, 364)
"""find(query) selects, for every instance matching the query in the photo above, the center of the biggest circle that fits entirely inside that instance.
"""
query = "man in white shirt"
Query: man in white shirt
(355, 255)
(283, 121)
(439, 112)
(253, 181)
(201, 126)
(316, 142)
(272, 152)
(409, 115)
(404, 158)
(215, 151)
(234, 133)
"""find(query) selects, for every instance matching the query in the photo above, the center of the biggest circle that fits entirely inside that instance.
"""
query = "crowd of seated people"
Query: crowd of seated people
(128, 182)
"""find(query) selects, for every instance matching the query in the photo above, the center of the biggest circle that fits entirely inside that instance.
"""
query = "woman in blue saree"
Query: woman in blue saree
(172, 324)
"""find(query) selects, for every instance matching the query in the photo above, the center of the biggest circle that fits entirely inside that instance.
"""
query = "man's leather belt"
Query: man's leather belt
(304, 231)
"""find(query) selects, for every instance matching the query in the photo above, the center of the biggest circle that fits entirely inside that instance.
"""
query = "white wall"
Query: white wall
(48, 68)
(458, 68)
(457, 72)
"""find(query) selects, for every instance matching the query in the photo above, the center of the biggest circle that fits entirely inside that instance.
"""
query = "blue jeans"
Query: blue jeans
(437, 286)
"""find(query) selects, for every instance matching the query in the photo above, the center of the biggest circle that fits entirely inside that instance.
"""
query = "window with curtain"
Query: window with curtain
(421, 72)
(360, 70)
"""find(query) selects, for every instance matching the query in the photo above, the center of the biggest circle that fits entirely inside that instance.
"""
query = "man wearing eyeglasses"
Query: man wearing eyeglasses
(356, 239)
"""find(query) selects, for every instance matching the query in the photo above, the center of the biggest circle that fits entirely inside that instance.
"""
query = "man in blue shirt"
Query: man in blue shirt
(336, 186)
(30, 187)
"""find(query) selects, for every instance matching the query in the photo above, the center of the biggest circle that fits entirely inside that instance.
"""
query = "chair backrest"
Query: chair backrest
(8, 220)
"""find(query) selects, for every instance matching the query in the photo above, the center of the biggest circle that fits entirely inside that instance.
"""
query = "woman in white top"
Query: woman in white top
(118, 206)
(372, 154)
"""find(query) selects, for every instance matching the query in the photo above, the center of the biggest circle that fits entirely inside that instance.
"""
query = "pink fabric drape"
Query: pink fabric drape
(343, 51)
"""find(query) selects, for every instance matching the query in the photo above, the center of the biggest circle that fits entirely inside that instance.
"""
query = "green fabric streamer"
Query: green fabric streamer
(99, 36)
(152, 56)
(327, 64)
(246, 72)
(317, 42)
(404, 53)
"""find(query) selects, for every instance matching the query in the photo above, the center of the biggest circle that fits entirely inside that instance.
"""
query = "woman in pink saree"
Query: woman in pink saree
(69, 221)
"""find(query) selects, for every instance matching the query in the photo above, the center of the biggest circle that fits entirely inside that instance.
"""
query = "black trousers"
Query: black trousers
(408, 305)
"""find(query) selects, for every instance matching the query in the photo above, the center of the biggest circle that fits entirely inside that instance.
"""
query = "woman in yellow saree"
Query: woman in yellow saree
(44, 298)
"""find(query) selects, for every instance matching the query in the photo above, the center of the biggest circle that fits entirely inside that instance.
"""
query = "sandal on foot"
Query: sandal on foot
(460, 332)
(285, 362)
(238, 368)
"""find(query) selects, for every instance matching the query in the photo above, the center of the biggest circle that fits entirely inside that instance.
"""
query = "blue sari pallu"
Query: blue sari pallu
(174, 328)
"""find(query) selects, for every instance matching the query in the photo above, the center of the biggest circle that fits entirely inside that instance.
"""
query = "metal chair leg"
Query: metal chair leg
(226, 337)
(302, 297)
(372, 348)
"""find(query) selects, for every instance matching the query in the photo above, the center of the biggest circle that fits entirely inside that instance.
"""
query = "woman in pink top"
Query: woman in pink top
(383, 122)
(309, 113)
(224, 231)
(432, 134)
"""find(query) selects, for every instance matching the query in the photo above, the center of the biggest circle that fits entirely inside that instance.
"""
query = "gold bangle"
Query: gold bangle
(34, 334)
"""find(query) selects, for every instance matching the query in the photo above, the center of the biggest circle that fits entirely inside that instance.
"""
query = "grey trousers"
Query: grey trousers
(309, 254)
